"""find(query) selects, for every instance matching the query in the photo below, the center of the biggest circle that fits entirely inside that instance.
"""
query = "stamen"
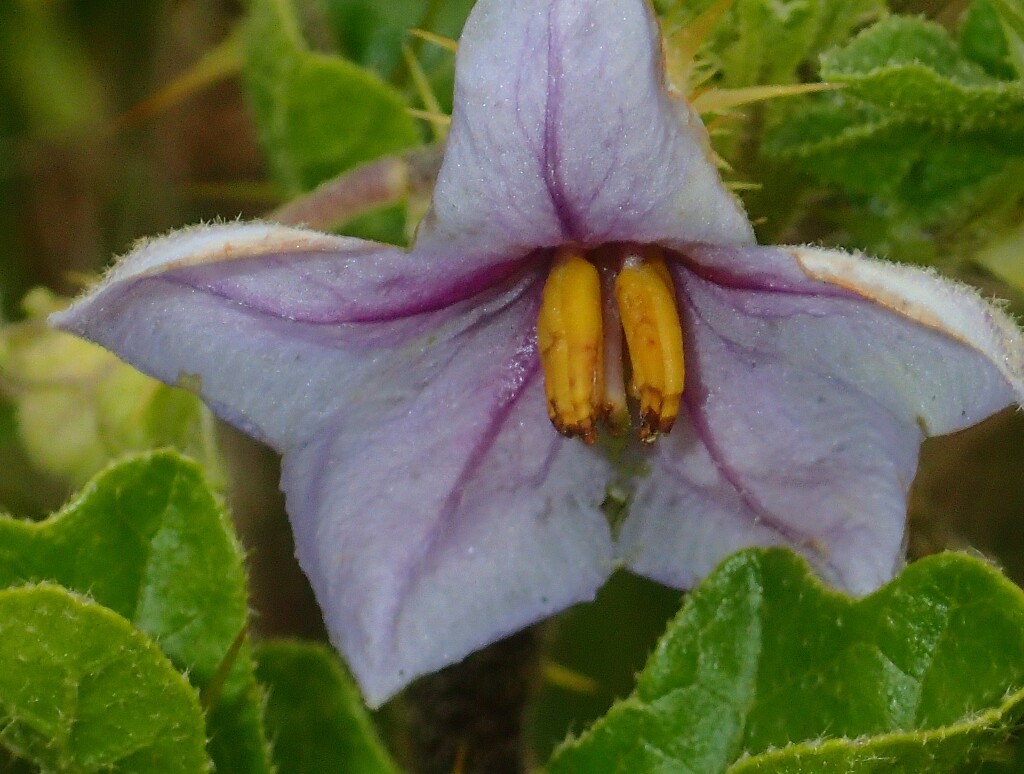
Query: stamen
(570, 339)
(654, 337)
(592, 301)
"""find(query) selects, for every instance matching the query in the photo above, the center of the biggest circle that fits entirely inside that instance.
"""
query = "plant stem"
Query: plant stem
(469, 718)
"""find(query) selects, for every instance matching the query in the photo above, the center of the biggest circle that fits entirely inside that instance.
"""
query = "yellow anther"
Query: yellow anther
(654, 337)
(591, 302)
(570, 339)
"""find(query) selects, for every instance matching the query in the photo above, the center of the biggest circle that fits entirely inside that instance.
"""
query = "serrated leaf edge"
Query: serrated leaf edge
(143, 641)
(993, 719)
(1014, 698)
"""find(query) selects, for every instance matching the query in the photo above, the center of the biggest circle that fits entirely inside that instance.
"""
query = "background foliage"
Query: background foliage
(127, 642)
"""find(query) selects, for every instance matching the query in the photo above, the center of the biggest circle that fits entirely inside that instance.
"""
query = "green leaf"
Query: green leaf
(372, 34)
(82, 691)
(767, 670)
(23, 489)
(317, 114)
(911, 66)
(983, 42)
(958, 177)
(766, 41)
(849, 143)
(315, 714)
(910, 174)
(1011, 18)
(772, 39)
(147, 539)
(837, 20)
(1011, 761)
(627, 618)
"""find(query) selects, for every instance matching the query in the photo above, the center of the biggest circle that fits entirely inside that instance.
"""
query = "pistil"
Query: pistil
(614, 408)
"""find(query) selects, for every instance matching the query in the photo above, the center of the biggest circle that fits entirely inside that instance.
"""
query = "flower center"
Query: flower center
(590, 300)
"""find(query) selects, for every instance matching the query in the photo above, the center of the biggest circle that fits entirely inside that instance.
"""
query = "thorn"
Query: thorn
(426, 93)
(685, 41)
(438, 40)
(719, 100)
(742, 185)
(435, 118)
(220, 62)
(569, 679)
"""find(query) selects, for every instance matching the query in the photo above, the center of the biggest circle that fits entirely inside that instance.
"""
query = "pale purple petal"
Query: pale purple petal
(434, 507)
(952, 308)
(805, 407)
(432, 528)
(562, 131)
(274, 327)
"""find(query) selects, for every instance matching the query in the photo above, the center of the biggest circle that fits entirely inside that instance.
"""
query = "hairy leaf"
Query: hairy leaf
(983, 41)
(912, 66)
(149, 540)
(317, 114)
(766, 41)
(765, 669)
(82, 691)
(372, 34)
(315, 714)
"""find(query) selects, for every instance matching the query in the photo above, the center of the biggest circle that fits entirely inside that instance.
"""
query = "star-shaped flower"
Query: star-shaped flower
(435, 508)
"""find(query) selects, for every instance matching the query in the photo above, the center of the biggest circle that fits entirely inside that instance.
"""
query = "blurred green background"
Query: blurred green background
(84, 171)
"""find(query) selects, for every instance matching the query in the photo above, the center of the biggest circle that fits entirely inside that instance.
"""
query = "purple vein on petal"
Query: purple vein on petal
(567, 217)
(315, 490)
(526, 365)
(763, 515)
(771, 283)
(408, 304)
(411, 572)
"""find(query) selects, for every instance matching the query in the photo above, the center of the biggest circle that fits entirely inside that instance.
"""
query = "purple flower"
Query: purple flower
(435, 508)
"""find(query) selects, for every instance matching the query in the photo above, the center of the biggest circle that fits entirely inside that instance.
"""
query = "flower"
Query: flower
(434, 507)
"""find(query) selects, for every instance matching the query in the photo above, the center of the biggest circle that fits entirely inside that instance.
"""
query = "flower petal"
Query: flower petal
(924, 296)
(563, 131)
(270, 325)
(807, 402)
(434, 528)
(434, 507)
